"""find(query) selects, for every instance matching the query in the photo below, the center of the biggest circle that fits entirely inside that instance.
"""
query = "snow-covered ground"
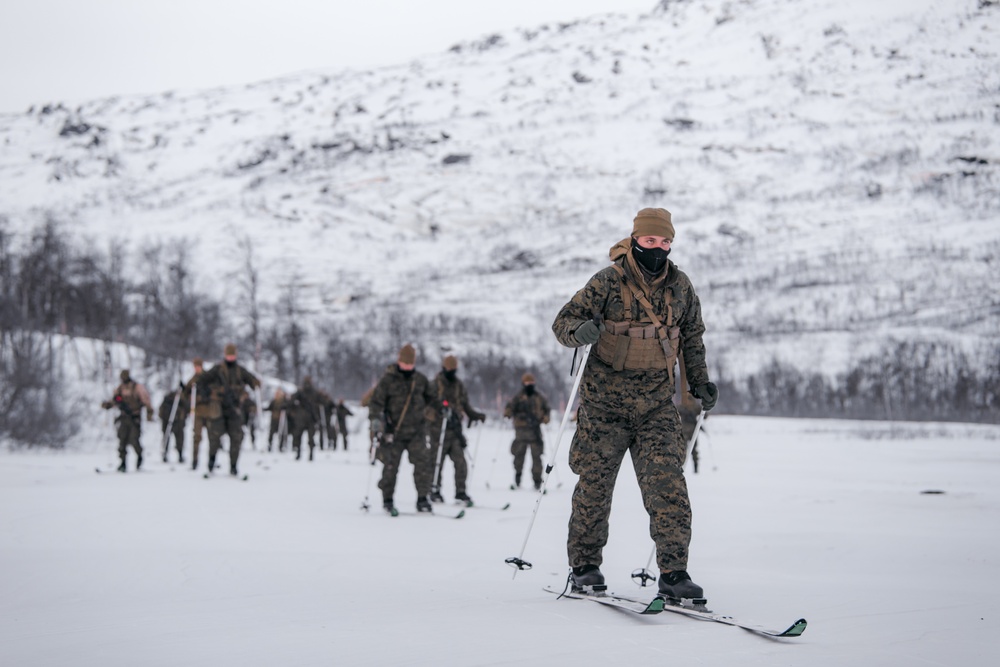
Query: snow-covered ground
(826, 520)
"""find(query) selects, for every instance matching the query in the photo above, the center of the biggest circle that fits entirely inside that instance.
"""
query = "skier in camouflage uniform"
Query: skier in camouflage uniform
(343, 412)
(396, 412)
(529, 409)
(176, 426)
(302, 411)
(637, 314)
(196, 389)
(225, 382)
(452, 403)
(129, 398)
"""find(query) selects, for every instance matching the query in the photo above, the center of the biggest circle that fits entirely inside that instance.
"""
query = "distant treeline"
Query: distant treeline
(910, 381)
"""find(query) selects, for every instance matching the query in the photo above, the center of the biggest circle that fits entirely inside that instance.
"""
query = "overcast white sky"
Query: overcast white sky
(74, 50)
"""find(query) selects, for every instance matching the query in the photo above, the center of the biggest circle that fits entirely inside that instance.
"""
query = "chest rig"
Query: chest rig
(644, 344)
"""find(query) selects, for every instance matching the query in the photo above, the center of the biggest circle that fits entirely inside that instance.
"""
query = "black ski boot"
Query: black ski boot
(424, 505)
(389, 508)
(464, 499)
(436, 496)
(233, 471)
(587, 579)
(138, 463)
(121, 468)
(678, 586)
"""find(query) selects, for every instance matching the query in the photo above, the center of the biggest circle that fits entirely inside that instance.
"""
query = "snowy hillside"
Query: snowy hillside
(832, 168)
(816, 519)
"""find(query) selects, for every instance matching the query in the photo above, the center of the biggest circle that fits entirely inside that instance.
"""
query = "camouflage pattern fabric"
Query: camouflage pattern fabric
(528, 413)
(454, 392)
(401, 402)
(225, 384)
(631, 411)
(391, 454)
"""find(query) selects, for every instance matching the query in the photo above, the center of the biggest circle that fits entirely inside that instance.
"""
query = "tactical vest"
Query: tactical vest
(130, 397)
(644, 344)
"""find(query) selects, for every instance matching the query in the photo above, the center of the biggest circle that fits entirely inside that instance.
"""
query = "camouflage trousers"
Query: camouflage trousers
(297, 431)
(200, 424)
(129, 430)
(342, 431)
(525, 439)
(454, 449)
(415, 446)
(656, 446)
(231, 425)
(177, 430)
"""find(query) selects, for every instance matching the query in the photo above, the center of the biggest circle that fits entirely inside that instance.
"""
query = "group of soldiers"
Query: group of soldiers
(424, 419)
(223, 402)
(218, 398)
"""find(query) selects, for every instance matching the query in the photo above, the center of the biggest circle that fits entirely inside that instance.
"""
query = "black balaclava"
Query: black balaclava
(450, 374)
(406, 374)
(651, 259)
(529, 389)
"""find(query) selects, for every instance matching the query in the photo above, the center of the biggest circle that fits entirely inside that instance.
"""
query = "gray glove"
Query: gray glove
(377, 427)
(708, 393)
(587, 333)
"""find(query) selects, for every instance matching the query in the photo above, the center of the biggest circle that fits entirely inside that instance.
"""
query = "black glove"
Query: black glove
(476, 417)
(708, 393)
(587, 333)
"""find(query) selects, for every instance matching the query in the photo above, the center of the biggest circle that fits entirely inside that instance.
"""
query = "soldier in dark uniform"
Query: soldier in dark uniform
(248, 410)
(176, 426)
(398, 422)
(225, 382)
(529, 409)
(452, 404)
(303, 414)
(637, 314)
(343, 412)
(129, 397)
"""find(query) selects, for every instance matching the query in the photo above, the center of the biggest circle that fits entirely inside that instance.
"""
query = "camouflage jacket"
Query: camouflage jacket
(394, 392)
(528, 412)
(224, 385)
(454, 392)
(635, 392)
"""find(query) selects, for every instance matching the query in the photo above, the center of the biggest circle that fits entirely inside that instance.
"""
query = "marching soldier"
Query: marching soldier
(398, 423)
(225, 382)
(529, 409)
(447, 412)
(129, 398)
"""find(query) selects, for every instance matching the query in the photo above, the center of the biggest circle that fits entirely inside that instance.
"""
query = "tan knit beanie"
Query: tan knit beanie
(407, 355)
(653, 222)
(450, 363)
(527, 378)
(229, 350)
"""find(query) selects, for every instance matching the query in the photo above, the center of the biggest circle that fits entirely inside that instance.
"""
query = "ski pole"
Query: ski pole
(165, 443)
(518, 561)
(475, 451)
(493, 463)
(694, 435)
(436, 480)
(642, 577)
(372, 448)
